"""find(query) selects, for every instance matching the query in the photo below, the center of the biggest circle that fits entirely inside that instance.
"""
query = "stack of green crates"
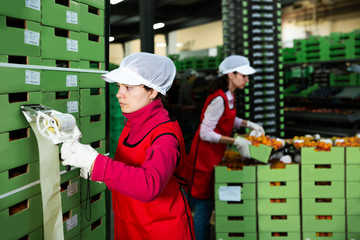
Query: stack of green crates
(336, 46)
(353, 192)
(51, 53)
(317, 199)
(236, 219)
(323, 193)
(278, 197)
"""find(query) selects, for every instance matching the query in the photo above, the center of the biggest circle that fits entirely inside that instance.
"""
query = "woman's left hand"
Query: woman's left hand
(256, 127)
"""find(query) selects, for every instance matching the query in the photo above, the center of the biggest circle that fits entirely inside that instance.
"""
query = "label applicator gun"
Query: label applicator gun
(53, 125)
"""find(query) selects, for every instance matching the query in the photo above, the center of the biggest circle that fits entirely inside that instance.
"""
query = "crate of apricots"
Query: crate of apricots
(325, 144)
(262, 146)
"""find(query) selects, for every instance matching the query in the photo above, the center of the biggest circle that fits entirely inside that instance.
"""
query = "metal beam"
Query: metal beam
(147, 18)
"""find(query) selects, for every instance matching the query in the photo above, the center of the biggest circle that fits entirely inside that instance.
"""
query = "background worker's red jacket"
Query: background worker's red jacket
(204, 156)
(147, 199)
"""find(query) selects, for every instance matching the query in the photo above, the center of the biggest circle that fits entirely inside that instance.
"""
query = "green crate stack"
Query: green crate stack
(351, 79)
(278, 197)
(323, 193)
(353, 192)
(58, 38)
(236, 219)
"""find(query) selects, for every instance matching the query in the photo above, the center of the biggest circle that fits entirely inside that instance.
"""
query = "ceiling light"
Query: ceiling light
(158, 25)
(160, 45)
(113, 2)
(111, 39)
(179, 44)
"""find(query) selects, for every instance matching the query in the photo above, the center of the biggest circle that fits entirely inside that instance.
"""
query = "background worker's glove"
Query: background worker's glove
(258, 130)
(242, 145)
(78, 155)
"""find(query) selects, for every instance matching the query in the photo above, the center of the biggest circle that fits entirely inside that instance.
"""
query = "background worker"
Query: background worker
(144, 175)
(186, 88)
(218, 119)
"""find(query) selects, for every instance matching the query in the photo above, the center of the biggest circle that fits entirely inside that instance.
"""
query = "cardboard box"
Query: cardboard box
(59, 44)
(335, 236)
(311, 190)
(20, 176)
(286, 189)
(352, 172)
(19, 37)
(95, 188)
(236, 235)
(248, 190)
(290, 173)
(95, 3)
(223, 175)
(92, 65)
(91, 19)
(95, 231)
(353, 155)
(15, 197)
(247, 207)
(289, 206)
(91, 80)
(282, 223)
(61, 16)
(92, 47)
(22, 80)
(277, 236)
(34, 235)
(353, 189)
(322, 172)
(310, 156)
(17, 9)
(235, 224)
(352, 206)
(60, 81)
(311, 224)
(10, 104)
(72, 223)
(98, 209)
(92, 101)
(314, 206)
(60, 64)
(92, 128)
(21, 218)
(11, 142)
(62, 101)
(70, 194)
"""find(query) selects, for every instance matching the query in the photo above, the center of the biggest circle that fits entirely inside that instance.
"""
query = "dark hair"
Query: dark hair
(159, 95)
(221, 82)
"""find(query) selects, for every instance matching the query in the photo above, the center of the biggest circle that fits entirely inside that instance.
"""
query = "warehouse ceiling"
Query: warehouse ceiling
(180, 14)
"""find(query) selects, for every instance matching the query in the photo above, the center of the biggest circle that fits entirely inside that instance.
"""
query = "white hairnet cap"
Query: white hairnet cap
(154, 71)
(236, 63)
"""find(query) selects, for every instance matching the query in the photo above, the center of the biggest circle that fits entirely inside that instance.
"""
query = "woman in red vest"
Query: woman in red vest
(218, 119)
(145, 174)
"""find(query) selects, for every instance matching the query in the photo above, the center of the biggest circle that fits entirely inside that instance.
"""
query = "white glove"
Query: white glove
(242, 145)
(78, 155)
(256, 127)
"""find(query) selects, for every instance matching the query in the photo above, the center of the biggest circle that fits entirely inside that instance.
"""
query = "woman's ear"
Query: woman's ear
(231, 75)
(153, 94)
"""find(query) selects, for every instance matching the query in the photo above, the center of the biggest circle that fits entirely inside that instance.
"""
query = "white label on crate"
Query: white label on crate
(71, 17)
(32, 77)
(72, 107)
(34, 4)
(32, 38)
(72, 189)
(230, 193)
(72, 222)
(72, 45)
(71, 80)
